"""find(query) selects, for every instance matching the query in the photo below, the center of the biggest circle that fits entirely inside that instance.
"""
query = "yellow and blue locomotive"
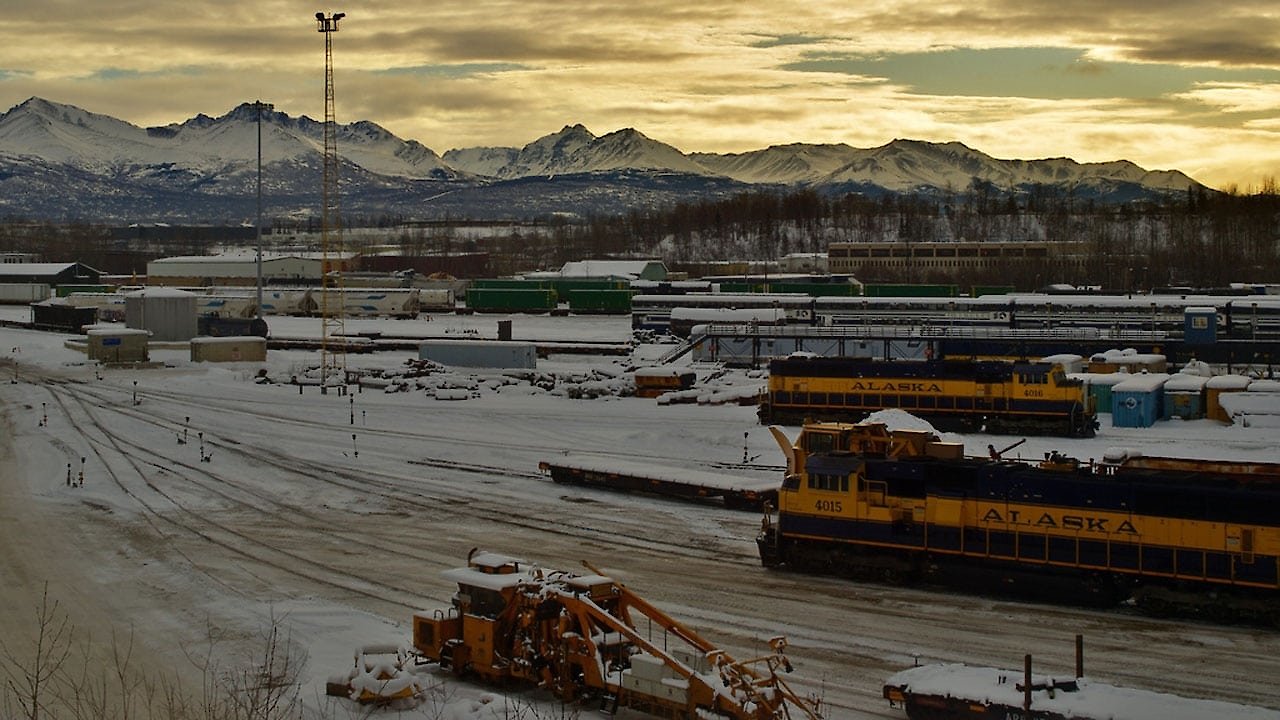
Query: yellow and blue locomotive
(962, 395)
(862, 501)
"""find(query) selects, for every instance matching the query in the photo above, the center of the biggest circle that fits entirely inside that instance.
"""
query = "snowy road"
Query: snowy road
(347, 536)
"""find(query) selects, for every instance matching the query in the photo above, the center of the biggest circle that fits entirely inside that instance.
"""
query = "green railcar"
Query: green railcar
(600, 302)
(980, 290)
(816, 289)
(910, 290)
(511, 300)
(65, 290)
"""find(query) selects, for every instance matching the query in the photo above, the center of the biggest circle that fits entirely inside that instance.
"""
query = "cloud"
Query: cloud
(1160, 82)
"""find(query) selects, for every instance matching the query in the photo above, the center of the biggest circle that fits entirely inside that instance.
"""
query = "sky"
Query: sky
(1190, 85)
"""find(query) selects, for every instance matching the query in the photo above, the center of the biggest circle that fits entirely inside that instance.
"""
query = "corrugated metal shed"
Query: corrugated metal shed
(117, 345)
(229, 349)
(1184, 396)
(1219, 385)
(480, 353)
(1137, 402)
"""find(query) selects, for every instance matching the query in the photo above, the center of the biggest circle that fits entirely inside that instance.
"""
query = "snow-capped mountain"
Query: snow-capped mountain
(575, 150)
(61, 162)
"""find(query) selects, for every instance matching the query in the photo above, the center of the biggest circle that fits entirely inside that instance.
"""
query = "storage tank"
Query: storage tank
(167, 313)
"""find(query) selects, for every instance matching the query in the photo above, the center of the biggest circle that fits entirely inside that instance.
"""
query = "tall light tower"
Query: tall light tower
(333, 352)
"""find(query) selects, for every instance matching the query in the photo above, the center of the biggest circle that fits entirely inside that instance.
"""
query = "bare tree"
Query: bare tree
(31, 672)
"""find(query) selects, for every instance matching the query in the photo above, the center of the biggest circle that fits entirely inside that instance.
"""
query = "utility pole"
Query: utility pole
(260, 106)
(333, 357)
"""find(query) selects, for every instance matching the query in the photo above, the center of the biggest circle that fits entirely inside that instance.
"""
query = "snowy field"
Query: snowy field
(340, 539)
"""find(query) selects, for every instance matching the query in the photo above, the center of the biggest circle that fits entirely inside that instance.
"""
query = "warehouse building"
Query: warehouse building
(52, 274)
(949, 258)
(241, 269)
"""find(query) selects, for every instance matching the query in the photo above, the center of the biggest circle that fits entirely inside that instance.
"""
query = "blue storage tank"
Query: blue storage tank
(1200, 325)
(1136, 402)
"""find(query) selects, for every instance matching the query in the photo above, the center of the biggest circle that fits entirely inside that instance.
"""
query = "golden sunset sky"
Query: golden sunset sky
(1190, 85)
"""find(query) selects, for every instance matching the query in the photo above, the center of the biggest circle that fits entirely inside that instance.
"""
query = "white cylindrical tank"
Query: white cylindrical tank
(169, 314)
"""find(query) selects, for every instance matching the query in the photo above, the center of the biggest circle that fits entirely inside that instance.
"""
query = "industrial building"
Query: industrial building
(950, 258)
(52, 274)
(241, 269)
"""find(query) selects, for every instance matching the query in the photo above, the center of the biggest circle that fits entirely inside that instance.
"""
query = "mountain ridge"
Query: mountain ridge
(208, 156)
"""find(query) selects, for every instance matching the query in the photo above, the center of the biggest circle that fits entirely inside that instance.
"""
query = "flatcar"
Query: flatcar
(964, 395)
(1171, 535)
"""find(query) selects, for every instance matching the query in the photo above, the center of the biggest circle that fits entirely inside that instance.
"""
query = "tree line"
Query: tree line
(1199, 238)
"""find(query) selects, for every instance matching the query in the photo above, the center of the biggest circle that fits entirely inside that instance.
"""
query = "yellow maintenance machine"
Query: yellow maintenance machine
(576, 636)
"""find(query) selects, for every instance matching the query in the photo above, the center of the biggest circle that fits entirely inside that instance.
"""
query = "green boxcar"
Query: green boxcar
(510, 284)
(511, 299)
(815, 289)
(565, 286)
(905, 290)
(602, 302)
(980, 290)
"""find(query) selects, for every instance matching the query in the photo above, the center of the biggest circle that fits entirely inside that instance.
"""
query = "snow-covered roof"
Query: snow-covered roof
(248, 257)
(1146, 382)
(1127, 356)
(159, 292)
(1228, 382)
(488, 581)
(606, 268)
(1268, 386)
(34, 268)
(237, 340)
(116, 331)
(1185, 382)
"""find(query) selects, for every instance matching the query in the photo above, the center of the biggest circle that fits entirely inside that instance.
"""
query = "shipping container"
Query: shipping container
(603, 302)
(1138, 401)
(23, 293)
(57, 315)
(1184, 395)
(65, 290)
(118, 345)
(511, 299)
(909, 290)
(228, 349)
(480, 353)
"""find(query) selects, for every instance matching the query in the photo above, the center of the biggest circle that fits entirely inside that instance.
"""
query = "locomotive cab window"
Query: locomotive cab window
(829, 481)
(820, 442)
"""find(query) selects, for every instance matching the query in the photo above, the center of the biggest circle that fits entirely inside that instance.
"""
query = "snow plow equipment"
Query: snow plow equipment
(576, 636)
(378, 677)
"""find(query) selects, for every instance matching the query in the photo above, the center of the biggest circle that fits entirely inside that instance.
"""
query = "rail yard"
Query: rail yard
(339, 513)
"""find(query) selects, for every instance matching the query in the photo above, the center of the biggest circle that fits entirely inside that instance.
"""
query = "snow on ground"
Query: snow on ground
(336, 515)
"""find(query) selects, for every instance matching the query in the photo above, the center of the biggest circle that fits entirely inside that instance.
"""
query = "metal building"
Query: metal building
(118, 345)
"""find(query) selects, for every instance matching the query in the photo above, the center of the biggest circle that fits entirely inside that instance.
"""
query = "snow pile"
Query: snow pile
(989, 686)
